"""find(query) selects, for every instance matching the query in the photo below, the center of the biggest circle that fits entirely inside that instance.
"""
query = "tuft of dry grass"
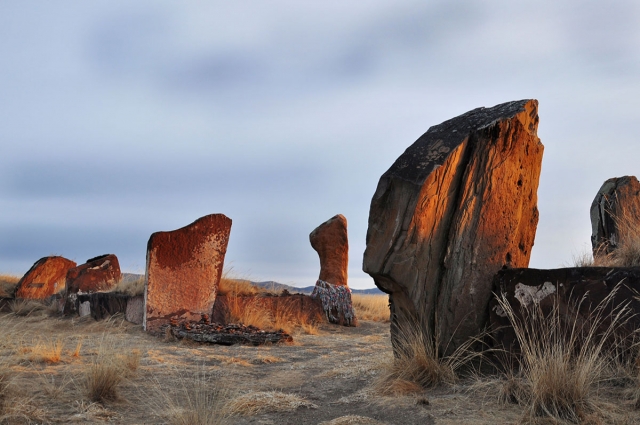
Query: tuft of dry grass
(130, 287)
(371, 307)
(418, 365)
(352, 420)
(26, 307)
(8, 285)
(563, 360)
(47, 351)
(257, 402)
(200, 400)
(108, 370)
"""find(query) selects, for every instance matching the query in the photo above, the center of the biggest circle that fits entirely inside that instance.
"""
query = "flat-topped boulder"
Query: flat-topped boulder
(98, 274)
(184, 267)
(615, 215)
(45, 278)
(457, 206)
(579, 293)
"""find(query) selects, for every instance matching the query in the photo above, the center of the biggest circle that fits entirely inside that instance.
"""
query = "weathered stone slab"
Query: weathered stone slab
(331, 242)
(183, 270)
(98, 274)
(456, 207)
(45, 278)
(576, 291)
(135, 310)
(615, 214)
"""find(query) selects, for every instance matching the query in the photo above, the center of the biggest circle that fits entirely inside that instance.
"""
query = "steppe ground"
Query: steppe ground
(330, 374)
(327, 376)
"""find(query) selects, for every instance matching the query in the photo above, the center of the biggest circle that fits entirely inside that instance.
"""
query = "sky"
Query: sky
(122, 118)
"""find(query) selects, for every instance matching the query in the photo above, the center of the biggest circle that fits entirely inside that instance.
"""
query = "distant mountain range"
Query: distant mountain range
(277, 287)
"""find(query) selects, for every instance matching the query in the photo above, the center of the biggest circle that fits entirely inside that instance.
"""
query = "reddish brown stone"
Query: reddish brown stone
(45, 278)
(331, 242)
(184, 267)
(99, 274)
(456, 207)
(615, 214)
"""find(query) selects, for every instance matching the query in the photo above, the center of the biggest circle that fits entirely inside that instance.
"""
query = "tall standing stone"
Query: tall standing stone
(456, 207)
(184, 269)
(331, 242)
(615, 214)
(45, 278)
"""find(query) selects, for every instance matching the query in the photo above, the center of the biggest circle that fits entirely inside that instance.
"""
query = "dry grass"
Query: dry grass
(371, 307)
(47, 351)
(108, 370)
(253, 312)
(418, 365)
(257, 402)
(625, 254)
(8, 285)
(130, 287)
(564, 362)
(26, 307)
(199, 402)
(352, 420)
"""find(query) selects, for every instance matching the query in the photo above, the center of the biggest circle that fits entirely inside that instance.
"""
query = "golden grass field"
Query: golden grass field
(62, 370)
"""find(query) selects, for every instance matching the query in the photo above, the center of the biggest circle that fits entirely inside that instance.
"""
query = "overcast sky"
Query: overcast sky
(122, 118)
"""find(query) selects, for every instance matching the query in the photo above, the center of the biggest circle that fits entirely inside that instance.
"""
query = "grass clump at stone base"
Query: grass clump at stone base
(417, 364)
(8, 285)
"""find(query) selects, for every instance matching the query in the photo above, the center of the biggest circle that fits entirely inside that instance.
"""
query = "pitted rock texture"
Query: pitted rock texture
(97, 274)
(331, 242)
(577, 292)
(614, 211)
(456, 207)
(45, 278)
(184, 267)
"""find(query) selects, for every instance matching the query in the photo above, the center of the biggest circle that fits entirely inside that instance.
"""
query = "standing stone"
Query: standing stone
(332, 244)
(184, 269)
(615, 213)
(98, 274)
(456, 207)
(45, 278)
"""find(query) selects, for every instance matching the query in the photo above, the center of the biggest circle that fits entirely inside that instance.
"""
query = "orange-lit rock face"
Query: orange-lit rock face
(183, 270)
(45, 278)
(615, 214)
(457, 206)
(332, 244)
(97, 274)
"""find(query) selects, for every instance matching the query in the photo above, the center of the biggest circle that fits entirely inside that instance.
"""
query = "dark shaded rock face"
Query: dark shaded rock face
(614, 211)
(97, 274)
(45, 278)
(331, 242)
(456, 207)
(184, 269)
(578, 291)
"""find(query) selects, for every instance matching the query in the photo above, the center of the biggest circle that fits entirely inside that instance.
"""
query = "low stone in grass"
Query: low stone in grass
(45, 278)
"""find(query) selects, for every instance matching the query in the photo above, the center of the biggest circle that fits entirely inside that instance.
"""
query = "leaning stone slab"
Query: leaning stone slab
(615, 214)
(457, 206)
(45, 278)
(576, 292)
(184, 267)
